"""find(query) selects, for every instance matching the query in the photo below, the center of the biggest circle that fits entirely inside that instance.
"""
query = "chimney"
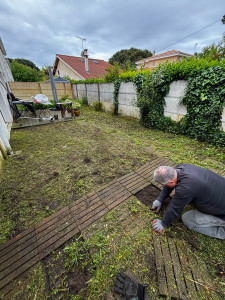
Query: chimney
(153, 53)
(84, 54)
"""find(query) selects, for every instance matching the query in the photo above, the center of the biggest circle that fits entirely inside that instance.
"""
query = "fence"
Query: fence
(104, 92)
(24, 90)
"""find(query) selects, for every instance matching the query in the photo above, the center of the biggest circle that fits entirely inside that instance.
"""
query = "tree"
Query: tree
(126, 58)
(25, 62)
(24, 73)
(214, 51)
(223, 19)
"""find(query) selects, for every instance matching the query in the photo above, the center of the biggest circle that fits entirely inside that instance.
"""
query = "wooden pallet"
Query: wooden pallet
(180, 275)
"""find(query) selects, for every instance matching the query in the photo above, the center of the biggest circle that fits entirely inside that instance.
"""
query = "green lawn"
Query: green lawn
(58, 163)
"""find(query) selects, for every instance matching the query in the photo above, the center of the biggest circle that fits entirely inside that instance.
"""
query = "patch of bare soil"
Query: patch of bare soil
(147, 196)
(150, 194)
(60, 282)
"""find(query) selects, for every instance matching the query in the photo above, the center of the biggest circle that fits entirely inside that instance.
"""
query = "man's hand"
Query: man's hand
(156, 205)
(157, 226)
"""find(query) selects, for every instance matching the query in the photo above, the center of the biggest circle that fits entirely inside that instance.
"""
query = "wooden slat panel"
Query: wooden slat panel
(10, 260)
(93, 219)
(119, 201)
(172, 286)
(71, 231)
(51, 219)
(19, 245)
(177, 270)
(45, 240)
(19, 267)
(160, 266)
(17, 240)
(191, 288)
(82, 201)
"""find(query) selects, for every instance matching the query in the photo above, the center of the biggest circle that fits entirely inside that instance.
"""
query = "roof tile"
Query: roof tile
(96, 66)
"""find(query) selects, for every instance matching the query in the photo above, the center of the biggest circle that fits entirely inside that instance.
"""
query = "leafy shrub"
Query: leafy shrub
(64, 97)
(97, 105)
(84, 101)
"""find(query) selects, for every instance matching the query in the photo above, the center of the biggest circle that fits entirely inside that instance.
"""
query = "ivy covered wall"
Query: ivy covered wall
(204, 97)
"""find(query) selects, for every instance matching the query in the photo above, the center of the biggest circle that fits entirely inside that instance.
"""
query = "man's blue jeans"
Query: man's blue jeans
(205, 224)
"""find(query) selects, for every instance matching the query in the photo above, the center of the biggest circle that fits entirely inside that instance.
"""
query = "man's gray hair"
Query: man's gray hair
(164, 174)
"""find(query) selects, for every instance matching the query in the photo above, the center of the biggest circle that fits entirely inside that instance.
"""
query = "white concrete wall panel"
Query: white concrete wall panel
(173, 108)
(106, 92)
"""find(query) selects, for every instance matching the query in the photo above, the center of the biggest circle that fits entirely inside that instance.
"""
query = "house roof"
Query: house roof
(164, 55)
(96, 66)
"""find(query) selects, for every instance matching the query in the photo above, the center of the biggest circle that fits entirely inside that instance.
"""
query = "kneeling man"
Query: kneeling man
(201, 187)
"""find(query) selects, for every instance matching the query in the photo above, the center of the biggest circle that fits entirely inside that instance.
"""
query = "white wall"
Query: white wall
(127, 97)
(172, 108)
(6, 117)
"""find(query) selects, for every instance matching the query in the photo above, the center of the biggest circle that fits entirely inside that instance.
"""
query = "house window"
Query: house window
(58, 72)
(153, 63)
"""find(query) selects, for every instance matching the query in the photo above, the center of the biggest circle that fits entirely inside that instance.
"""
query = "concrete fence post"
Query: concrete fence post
(86, 91)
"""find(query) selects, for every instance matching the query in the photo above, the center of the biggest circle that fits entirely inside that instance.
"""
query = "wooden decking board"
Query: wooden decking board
(149, 171)
(172, 286)
(160, 267)
(118, 201)
(85, 213)
(53, 235)
(130, 179)
(108, 188)
(103, 187)
(65, 236)
(52, 221)
(11, 259)
(44, 230)
(177, 270)
(135, 190)
(134, 181)
(77, 210)
(197, 276)
(51, 218)
(16, 266)
(19, 245)
(89, 214)
(151, 166)
(124, 177)
(113, 197)
(79, 201)
(83, 205)
(133, 185)
(187, 273)
(6, 280)
(93, 219)
(112, 193)
(17, 240)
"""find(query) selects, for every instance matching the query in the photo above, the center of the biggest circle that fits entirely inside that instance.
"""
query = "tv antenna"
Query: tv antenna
(82, 40)
(195, 48)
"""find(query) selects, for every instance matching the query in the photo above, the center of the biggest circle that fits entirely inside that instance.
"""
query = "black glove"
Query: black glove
(128, 287)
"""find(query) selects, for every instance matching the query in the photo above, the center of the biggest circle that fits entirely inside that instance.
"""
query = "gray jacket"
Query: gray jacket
(201, 187)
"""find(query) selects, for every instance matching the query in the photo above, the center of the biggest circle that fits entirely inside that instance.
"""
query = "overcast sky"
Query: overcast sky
(38, 29)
